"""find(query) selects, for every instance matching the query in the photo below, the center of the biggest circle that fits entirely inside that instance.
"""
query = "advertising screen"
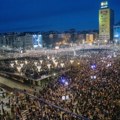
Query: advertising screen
(37, 41)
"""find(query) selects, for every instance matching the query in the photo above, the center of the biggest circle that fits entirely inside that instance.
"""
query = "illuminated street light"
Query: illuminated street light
(26, 61)
(71, 61)
(39, 68)
(56, 63)
(12, 65)
(16, 61)
(41, 61)
(48, 57)
(62, 65)
(48, 65)
(35, 63)
(19, 68)
(54, 74)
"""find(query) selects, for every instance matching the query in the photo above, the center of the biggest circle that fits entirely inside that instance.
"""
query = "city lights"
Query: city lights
(93, 66)
(39, 68)
(12, 64)
(64, 80)
(59, 60)
(66, 97)
(93, 77)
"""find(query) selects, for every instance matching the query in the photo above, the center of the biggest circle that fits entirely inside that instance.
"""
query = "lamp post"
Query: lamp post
(53, 60)
(16, 61)
(48, 65)
(62, 65)
(19, 68)
(56, 63)
(21, 64)
(35, 63)
(41, 61)
(48, 57)
(39, 68)
(71, 61)
(26, 61)
(12, 65)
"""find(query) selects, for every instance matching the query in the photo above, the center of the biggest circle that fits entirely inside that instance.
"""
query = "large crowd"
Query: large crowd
(90, 89)
(93, 92)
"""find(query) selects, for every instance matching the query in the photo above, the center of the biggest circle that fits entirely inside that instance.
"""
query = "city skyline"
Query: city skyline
(38, 15)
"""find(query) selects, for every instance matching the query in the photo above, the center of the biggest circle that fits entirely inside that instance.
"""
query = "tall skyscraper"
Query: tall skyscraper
(117, 34)
(106, 22)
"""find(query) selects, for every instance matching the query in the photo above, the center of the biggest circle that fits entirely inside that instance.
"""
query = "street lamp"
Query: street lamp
(26, 61)
(48, 65)
(16, 61)
(62, 65)
(71, 61)
(12, 64)
(41, 61)
(54, 74)
(19, 68)
(39, 68)
(56, 63)
(35, 63)
(48, 57)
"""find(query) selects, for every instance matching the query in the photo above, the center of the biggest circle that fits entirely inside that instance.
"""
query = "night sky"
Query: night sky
(46, 15)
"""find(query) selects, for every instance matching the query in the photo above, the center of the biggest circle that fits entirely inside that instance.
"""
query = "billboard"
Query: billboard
(37, 41)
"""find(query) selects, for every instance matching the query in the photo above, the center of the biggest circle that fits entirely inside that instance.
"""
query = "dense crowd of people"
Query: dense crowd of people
(90, 89)
(95, 97)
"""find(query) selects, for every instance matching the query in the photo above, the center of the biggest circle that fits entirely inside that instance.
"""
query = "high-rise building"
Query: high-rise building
(117, 34)
(106, 22)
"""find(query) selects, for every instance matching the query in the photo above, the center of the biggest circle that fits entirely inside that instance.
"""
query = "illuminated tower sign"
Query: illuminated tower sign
(104, 4)
(106, 21)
